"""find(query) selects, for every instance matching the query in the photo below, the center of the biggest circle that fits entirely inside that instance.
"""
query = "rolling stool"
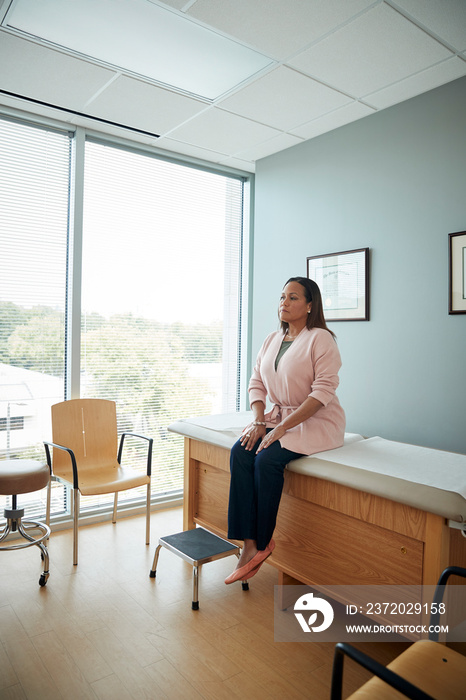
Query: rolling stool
(24, 476)
(197, 547)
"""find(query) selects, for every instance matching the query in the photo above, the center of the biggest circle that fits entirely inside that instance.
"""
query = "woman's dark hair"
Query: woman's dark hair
(312, 293)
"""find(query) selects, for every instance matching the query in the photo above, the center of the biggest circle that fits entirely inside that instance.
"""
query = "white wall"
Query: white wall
(395, 182)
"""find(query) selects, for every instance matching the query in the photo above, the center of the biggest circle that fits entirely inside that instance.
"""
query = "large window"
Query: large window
(158, 263)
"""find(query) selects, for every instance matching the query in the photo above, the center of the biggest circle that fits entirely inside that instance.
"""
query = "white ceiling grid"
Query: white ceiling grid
(327, 64)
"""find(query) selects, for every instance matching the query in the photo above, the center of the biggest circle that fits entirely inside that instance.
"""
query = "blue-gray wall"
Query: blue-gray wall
(394, 182)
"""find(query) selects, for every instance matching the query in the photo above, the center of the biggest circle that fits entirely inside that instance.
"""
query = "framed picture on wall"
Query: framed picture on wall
(457, 282)
(343, 279)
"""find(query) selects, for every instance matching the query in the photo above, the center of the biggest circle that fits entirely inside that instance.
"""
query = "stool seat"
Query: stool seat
(197, 547)
(22, 476)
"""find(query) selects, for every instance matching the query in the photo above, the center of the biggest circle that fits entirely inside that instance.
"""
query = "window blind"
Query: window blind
(160, 301)
(34, 204)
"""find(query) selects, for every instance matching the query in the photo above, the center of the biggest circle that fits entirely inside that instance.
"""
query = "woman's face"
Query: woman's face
(293, 307)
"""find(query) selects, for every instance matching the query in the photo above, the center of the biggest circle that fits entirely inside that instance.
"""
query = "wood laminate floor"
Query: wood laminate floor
(105, 630)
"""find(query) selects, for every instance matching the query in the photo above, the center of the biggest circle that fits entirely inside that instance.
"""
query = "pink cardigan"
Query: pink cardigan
(308, 368)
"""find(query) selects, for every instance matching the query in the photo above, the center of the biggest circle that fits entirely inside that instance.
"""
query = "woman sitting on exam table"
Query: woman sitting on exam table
(297, 369)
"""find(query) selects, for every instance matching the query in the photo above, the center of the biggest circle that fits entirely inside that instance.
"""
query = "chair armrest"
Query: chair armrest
(385, 674)
(74, 466)
(149, 449)
(438, 596)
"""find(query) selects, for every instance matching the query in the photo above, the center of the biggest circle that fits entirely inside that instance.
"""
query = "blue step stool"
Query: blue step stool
(197, 547)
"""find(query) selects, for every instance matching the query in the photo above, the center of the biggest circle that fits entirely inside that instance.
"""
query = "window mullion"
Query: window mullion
(73, 359)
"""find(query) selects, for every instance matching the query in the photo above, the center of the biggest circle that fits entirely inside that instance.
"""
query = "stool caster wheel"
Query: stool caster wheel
(245, 585)
(152, 574)
(43, 579)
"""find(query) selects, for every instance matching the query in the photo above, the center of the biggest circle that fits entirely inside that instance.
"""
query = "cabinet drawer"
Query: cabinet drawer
(317, 545)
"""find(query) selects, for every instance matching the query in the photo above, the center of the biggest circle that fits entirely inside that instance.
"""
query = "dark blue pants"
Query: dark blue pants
(255, 490)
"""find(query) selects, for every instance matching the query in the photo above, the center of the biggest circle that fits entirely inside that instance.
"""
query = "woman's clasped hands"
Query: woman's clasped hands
(254, 432)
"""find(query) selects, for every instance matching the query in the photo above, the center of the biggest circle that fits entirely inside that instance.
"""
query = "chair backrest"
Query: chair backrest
(89, 428)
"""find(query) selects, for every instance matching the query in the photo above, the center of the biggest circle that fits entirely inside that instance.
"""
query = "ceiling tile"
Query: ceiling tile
(221, 131)
(373, 51)
(447, 18)
(268, 99)
(278, 143)
(188, 149)
(177, 4)
(238, 164)
(50, 76)
(177, 147)
(279, 28)
(335, 119)
(144, 106)
(421, 82)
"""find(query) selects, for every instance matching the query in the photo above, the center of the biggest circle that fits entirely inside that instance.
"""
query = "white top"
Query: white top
(431, 480)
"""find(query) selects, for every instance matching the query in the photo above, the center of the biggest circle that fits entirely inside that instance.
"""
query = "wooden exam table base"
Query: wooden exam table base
(329, 534)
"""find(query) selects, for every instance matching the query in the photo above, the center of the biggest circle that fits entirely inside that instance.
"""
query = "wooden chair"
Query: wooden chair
(426, 670)
(85, 442)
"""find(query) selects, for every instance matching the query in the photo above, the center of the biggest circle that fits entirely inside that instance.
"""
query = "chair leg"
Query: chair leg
(115, 506)
(23, 532)
(45, 557)
(47, 508)
(148, 515)
(6, 531)
(75, 525)
(153, 571)
(195, 603)
(43, 549)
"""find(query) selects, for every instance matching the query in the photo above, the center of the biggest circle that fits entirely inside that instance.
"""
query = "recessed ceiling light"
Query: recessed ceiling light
(140, 37)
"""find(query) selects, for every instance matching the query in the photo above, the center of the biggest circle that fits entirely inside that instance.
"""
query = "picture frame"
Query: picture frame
(343, 279)
(457, 273)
